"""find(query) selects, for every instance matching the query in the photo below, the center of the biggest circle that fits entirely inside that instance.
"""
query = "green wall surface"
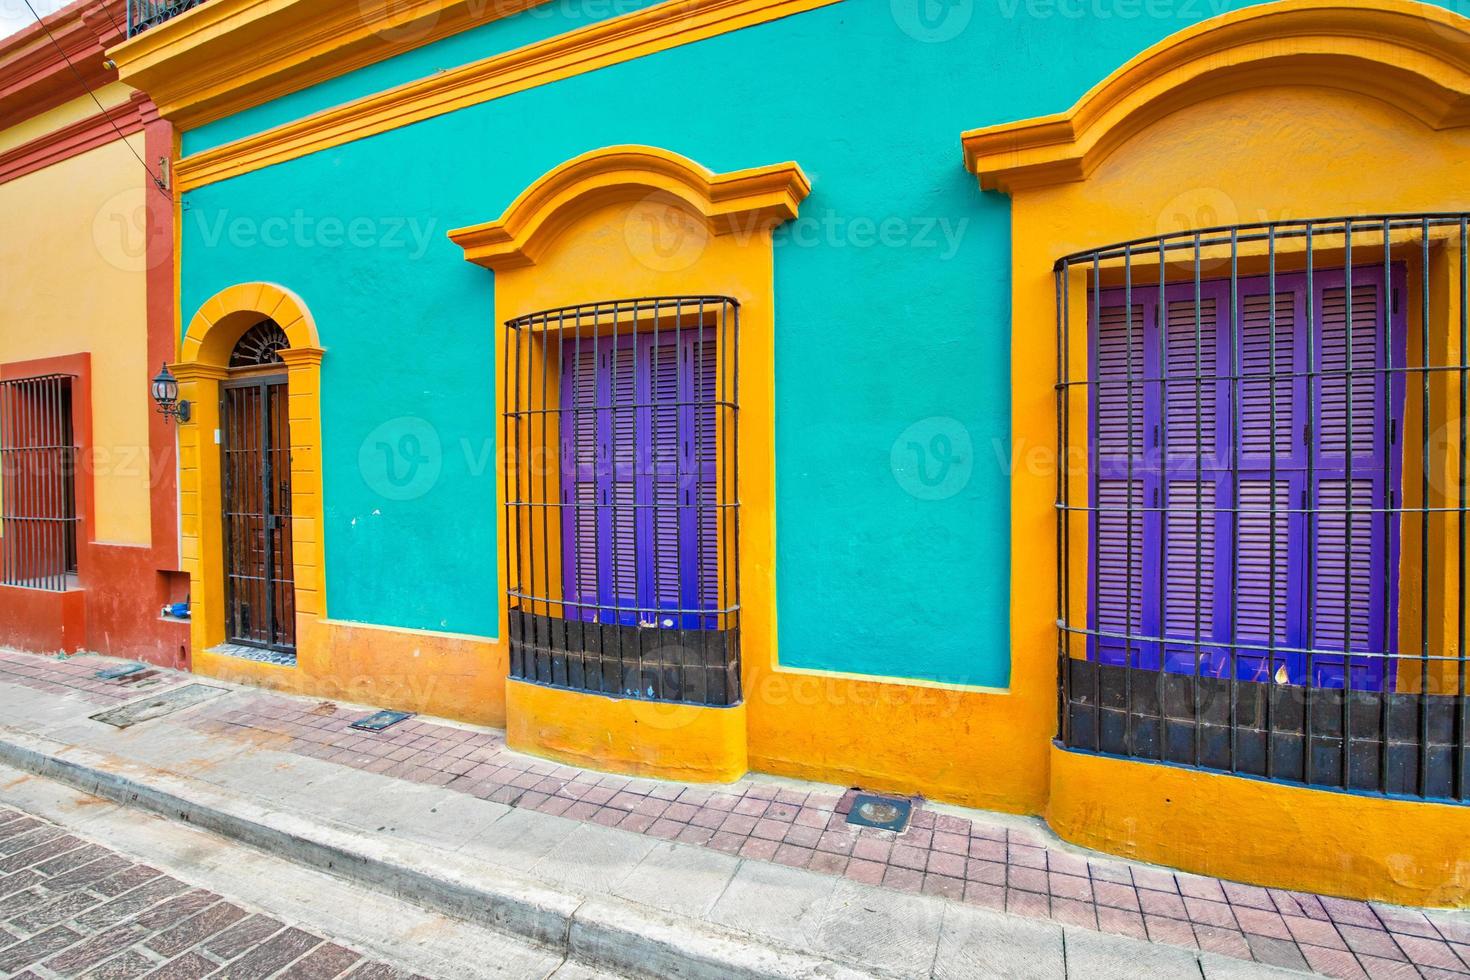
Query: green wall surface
(892, 302)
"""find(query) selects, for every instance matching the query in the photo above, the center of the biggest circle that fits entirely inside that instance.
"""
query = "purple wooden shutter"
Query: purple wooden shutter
(1189, 451)
(1353, 558)
(637, 544)
(1118, 483)
(1212, 470)
(579, 460)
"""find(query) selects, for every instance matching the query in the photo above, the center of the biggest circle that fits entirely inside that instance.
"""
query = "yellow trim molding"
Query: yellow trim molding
(656, 739)
(226, 56)
(1400, 851)
(1249, 117)
(1411, 55)
(745, 201)
(659, 28)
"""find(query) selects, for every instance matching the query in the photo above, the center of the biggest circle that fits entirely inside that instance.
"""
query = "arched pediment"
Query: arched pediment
(1414, 56)
(743, 200)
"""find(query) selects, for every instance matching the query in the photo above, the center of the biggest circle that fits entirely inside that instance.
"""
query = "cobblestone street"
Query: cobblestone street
(72, 908)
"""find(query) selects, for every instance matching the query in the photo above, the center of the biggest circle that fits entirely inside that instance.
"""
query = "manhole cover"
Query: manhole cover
(381, 720)
(118, 673)
(166, 702)
(881, 812)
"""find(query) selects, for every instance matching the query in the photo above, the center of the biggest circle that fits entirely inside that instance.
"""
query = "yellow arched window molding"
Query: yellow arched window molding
(203, 365)
(1411, 55)
(745, 201)
(587, 232)
(1207, 116)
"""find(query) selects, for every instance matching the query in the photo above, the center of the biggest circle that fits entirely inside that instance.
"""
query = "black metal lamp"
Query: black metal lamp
(165, 388)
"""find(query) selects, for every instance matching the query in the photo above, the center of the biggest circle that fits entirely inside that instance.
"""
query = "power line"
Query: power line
(157, 181)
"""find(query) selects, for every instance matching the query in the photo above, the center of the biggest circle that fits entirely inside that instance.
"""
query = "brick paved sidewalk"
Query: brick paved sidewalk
(70, 908)
(975, 858)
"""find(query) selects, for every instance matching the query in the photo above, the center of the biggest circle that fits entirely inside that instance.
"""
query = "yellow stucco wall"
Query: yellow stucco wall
(63, 115)
(74, 261)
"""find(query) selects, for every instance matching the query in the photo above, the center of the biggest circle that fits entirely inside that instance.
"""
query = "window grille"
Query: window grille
(622, 515)
(38, 503)
(143, 14)
(1261, 498)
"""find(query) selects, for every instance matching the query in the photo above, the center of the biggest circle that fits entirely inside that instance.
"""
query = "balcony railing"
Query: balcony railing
(1262, 529)
(143, 14)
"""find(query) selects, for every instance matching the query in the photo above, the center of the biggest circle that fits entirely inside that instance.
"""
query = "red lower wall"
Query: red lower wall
(125, 592)
(46, 622)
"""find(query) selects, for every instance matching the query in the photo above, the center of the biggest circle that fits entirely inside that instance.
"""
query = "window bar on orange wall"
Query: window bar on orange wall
(648, 602)
(1348, 526)
(38, 497)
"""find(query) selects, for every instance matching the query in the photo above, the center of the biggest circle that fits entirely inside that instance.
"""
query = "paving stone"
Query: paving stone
(93, 951)
(682, 880)
(176, 910)
(276, 953)
(889, 931)
(125, 967)
(125, 880)
(323, 963)
(1094, 956)
(37, 948)
(196, 930)
(131, 903)
(190, 966)
(775, 902)
(50, 913)
(979, 943)
(254, 930)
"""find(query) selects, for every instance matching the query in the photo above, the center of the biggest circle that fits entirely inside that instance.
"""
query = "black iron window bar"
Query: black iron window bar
(622, 511)
(143, 14)
(38, 502)
(1403, 735)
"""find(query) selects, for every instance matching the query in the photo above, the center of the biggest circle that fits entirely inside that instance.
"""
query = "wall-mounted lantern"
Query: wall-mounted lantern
(165, 389)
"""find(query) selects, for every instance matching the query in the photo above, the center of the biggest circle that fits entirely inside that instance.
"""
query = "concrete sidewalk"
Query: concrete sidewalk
(762, 878)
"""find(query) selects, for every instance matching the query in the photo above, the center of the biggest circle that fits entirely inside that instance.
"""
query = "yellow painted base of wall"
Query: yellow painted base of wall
(440, 674)
(1365, 847)
(637, 738)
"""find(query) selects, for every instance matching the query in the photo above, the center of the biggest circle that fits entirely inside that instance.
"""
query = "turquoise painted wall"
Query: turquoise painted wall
(892, 350)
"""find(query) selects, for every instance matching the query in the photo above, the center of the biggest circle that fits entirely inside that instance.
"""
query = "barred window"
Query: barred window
(38, 501)
(1262, 545)
(621, 509)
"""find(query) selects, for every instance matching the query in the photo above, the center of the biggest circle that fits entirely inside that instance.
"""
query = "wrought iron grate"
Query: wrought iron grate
(143, 14)
(38, 500)
(1261, 501)
(621, 509)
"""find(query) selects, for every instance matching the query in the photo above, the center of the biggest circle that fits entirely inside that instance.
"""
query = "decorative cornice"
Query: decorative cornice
(667, 25)
(743, 201)
(38, 74)
(96, 130)
(226, 56)
(1412, 55)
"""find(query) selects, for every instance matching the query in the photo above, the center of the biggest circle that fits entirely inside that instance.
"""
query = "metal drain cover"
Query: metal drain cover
(163, 703)
(118, 673)
(381, 720)
(880, 812)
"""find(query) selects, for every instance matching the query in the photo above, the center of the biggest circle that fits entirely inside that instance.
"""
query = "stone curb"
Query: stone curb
(601, 931)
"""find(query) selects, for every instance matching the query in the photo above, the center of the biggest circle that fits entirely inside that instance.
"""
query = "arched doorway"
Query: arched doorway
(249, 475)
(255, 493)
